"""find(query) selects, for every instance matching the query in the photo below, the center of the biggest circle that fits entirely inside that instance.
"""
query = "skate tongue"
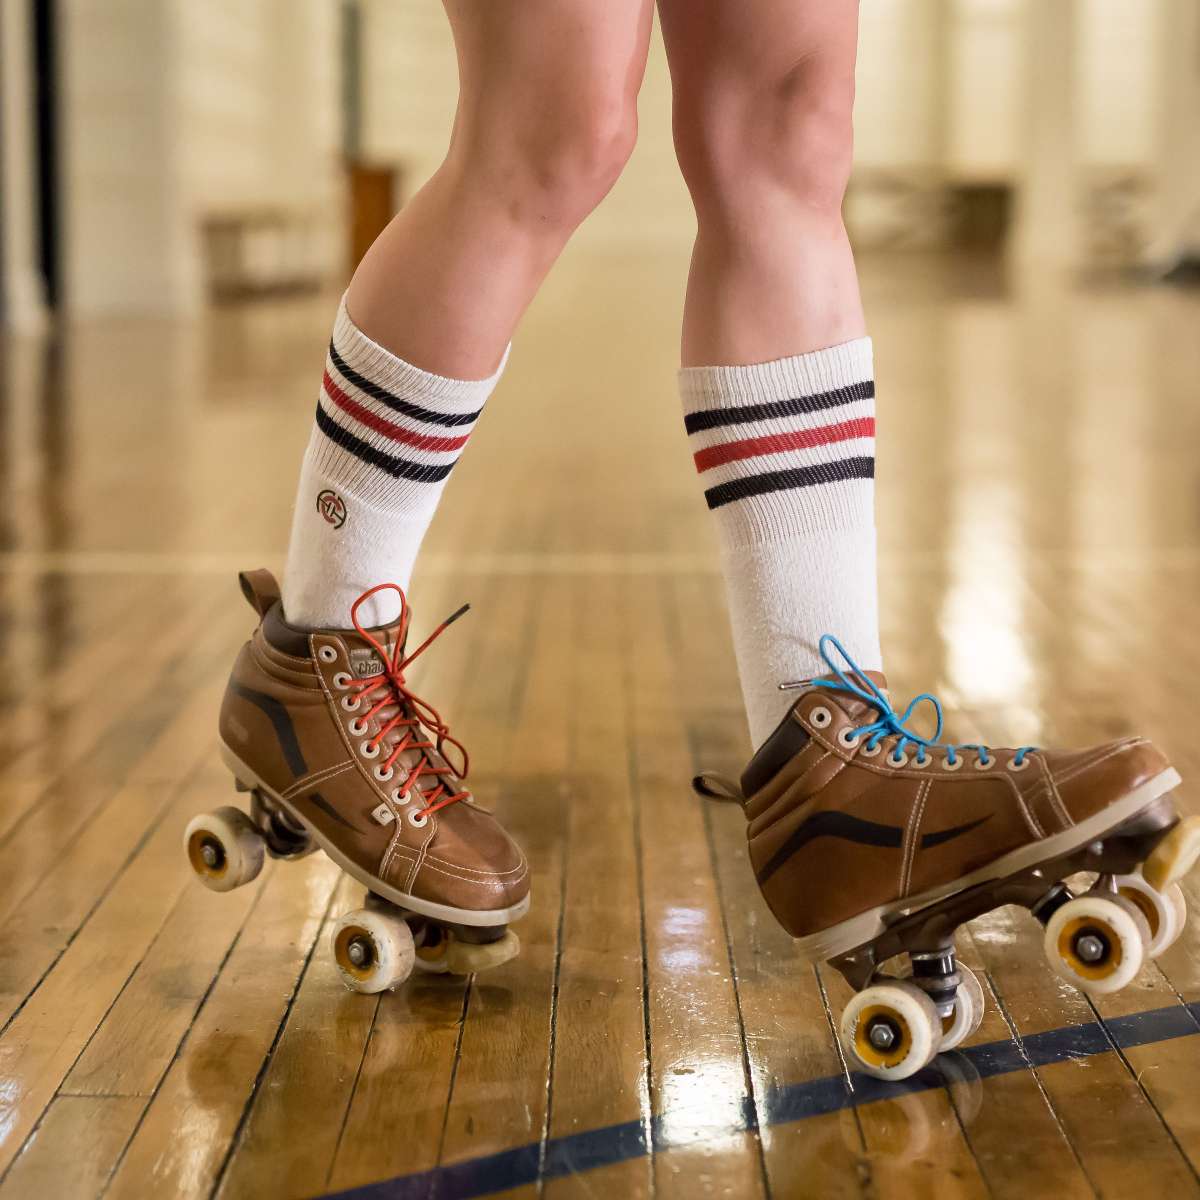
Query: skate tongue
(364, 658)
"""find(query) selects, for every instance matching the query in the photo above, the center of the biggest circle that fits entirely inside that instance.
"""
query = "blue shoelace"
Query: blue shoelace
(891, 723)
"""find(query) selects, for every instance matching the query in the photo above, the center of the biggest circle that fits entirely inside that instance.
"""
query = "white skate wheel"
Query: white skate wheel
(224, 848)
(373, 949)
(1097, 942)
(1165, 912)
(968, 1010)
(1174, 856)
(891, 1030)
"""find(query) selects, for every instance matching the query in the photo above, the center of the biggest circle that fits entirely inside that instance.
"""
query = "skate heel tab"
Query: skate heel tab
(260, 589)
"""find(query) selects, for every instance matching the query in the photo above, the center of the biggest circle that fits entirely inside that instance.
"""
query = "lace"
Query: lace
(413, 715)
(890, 723)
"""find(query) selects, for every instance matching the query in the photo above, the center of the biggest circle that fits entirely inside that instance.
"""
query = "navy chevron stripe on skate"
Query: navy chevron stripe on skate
(285, 731)
(836, 825)
(941, 836)
(579, 1152)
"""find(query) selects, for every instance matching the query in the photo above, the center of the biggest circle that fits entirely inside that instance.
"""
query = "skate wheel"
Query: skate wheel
(373, 949)
(1165, 911)
(891, 1030)
(224, 848)
(1097, 942)
(968, 1010)
(1174, 856)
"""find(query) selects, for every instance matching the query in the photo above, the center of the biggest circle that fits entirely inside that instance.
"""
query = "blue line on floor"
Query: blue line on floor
(577, 1152)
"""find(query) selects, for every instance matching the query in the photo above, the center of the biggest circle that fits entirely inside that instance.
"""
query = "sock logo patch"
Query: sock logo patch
(332, 507)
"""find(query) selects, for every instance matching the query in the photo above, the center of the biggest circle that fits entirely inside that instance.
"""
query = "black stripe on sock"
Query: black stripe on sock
(399, 468)
(712, 418)
(405, 407)
(794, 477)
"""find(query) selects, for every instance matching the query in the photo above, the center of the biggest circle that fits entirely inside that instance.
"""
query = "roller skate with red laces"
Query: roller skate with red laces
(337, 753)
(872, 843)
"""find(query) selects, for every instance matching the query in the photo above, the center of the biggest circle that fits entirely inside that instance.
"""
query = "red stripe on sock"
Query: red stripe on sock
(397, 433)
(777, 443)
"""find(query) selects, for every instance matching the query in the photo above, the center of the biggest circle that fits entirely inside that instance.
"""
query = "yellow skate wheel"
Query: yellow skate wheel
(968, 1010)
(224, 848)
(1165, 911)
(891, 1030)
(1097, 942)
(372, 949)
(465, 958)
(1174, 856)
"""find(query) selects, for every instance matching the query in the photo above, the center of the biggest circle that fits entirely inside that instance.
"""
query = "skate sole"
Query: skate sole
(445, 913)
(867, 926)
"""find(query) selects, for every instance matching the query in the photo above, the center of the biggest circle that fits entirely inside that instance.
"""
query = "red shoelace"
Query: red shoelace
(414, 717)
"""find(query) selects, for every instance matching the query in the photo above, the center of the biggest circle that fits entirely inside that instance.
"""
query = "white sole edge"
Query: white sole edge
(867, 926)
(425, 908)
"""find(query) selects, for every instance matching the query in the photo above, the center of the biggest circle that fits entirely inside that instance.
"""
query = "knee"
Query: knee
(792, 136)
(552, 163)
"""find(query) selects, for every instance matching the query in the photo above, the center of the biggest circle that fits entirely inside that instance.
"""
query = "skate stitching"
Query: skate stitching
(325, 773)
(1087, 764)
(1059, 809)
(914, 826)
(302, 680)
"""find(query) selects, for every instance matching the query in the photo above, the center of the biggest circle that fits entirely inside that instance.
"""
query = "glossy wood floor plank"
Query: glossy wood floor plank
(658, 1036)
(194, 1117)
(698, 1070)
(599, 1072)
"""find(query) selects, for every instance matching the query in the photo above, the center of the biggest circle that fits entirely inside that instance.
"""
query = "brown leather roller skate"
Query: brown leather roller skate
(870, 842)
(338, 754)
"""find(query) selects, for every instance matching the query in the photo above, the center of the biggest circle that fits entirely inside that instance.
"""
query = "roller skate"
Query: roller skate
(320, 728)
(872, 843)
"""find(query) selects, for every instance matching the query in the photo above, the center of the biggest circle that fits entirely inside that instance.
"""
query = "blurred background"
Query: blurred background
(160, 155)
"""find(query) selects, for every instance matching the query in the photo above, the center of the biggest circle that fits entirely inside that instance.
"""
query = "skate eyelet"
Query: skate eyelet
(1013, 765)
(357, 727)
(417, 820)
(956, 765)
(848, 738)
(342, 681)
(383, 774)
(984, 764)
(869, 751)
(350, 703)
(327, 654)
(369, 750)
(399, 797)
(897, 760)
(820, 717)
(921, 763)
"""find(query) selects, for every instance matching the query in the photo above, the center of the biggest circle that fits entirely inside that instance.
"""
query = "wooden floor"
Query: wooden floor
(1039, 512)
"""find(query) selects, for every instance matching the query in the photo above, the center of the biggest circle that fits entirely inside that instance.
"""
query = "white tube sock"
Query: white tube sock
(786, 452)
(387, 435)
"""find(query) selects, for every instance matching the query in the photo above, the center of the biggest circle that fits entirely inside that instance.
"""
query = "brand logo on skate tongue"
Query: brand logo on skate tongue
(364, 661)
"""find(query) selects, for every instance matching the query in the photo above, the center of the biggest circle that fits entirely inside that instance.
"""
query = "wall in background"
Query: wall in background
(176, 111)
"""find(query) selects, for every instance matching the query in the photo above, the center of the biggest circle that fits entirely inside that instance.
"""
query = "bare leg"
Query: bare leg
(763, 97)
(546, 120)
